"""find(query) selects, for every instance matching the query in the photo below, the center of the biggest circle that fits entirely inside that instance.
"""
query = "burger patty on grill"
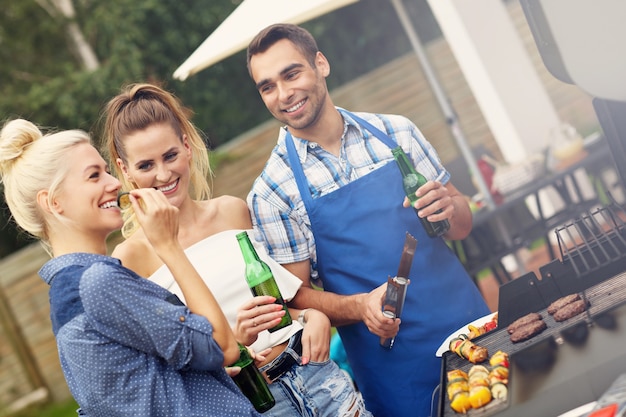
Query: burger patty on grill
(528, 330)
(522, 321)
(570, 310)
(562, 302)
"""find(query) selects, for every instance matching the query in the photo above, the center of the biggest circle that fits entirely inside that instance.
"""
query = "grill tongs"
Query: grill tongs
(396, 286)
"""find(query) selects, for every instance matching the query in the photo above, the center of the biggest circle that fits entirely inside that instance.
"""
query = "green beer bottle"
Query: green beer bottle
(411, 181)
(251, 382)
(260, 278)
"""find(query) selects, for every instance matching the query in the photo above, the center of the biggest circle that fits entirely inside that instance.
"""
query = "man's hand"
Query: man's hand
(432, 197)
(454, 206)
(373, 316)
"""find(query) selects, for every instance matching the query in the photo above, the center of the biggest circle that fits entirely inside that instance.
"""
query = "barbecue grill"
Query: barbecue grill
(572, 362)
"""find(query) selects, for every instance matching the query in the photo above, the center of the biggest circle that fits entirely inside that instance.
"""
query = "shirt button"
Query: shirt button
(181, 319)
(312, 145)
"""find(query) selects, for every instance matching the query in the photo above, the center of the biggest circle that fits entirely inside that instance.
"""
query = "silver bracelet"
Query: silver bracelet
(301, 318)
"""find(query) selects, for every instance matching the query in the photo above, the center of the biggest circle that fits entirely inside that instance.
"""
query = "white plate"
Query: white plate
(478, 322)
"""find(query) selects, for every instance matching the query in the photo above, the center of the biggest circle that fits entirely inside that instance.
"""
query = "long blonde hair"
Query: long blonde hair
(138, 107)
(30, 162)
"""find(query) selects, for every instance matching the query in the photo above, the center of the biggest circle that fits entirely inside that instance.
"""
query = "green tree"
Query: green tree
(45, 78)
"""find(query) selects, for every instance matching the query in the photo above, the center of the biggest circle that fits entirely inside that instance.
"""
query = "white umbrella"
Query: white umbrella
(251, 16)
(238, 29)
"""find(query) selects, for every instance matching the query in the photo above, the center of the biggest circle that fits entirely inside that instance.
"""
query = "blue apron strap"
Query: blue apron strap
(385, 138)
(298, 172)
(374, 130)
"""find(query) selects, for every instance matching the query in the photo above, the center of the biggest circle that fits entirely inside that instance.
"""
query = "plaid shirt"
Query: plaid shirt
(279, 215)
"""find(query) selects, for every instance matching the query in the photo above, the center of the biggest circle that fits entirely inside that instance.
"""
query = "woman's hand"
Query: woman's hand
(157, 216)
(315, 337)
(259, 358)
(255, 315)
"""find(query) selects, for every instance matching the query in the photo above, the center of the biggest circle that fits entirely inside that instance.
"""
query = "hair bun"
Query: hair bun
(15, 136)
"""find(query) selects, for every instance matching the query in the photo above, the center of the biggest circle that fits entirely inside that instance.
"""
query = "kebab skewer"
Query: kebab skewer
(475, 331)
(465, 348)
(479, 392)
(458, 391)
(499, 375)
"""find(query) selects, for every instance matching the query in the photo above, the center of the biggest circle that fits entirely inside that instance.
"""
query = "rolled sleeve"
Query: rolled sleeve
(288, 239)
(425, 157)
(135, 313)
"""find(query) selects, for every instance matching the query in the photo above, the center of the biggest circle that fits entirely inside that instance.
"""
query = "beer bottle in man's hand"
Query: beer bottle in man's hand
(260, 278)
(251, 382)
(411, 181)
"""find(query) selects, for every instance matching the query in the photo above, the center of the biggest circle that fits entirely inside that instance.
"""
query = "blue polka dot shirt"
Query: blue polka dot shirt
(128, 348)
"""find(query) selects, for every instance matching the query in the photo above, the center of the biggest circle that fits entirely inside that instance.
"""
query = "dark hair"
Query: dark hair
(301, 38)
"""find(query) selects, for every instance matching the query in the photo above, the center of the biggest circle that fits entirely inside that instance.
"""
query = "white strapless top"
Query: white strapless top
(219, 262)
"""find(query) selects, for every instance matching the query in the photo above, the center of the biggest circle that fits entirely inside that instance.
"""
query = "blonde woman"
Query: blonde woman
(128, 347)
(153, 144)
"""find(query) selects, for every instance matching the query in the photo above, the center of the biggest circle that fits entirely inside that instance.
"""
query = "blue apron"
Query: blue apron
(359, 232)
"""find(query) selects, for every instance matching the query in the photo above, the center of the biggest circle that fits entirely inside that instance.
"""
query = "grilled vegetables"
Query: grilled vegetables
(480, 385)
(475, 331)
(466, 349)
(479, 393)
(458, 391)
(499, 375)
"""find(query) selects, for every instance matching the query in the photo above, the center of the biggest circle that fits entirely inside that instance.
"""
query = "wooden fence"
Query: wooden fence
(29, 364)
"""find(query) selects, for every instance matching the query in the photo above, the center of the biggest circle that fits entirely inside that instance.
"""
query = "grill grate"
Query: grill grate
(594, 240)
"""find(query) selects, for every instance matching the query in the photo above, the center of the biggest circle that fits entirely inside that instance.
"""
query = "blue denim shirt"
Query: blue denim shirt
(127, 350)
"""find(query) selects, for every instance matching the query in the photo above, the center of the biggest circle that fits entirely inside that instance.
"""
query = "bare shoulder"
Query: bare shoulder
(233, 211)
(137, 254)
(229, 201)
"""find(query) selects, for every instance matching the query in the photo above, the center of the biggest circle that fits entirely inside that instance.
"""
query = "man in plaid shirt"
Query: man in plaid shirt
(329, 207)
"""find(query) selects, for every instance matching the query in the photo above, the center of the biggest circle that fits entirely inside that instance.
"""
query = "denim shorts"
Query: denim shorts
(314, 390)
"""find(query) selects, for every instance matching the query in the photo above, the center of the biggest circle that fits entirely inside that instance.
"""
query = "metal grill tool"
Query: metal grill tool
(396, 286)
